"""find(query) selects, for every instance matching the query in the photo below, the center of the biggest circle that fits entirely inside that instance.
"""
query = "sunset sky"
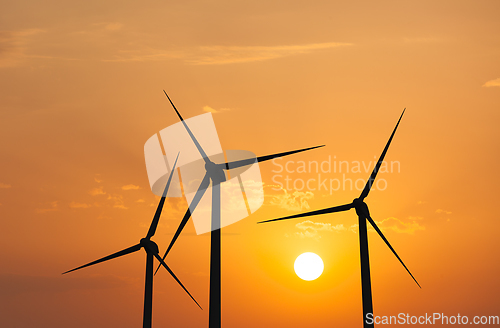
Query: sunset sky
(81, 91)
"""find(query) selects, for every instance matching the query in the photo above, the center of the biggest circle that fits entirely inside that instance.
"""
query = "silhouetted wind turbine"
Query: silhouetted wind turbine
(363, 214)
(215, 174)
(152, 251)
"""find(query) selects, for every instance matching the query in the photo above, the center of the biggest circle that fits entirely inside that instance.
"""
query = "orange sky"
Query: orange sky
(82, 91)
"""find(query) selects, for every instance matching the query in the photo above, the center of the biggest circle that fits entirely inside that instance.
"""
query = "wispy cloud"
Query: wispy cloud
(131, 187)
(97, 191)
(5, 186)
(295, 201)
(220, 55)
(148, 54)
(441, 211)
(118, 201)
(78, 205)
(320, 226)
(492, 83)
(52, 207)
(408, 226)
(14, 45)
(209, 109)
(421, 40)
(312, 229)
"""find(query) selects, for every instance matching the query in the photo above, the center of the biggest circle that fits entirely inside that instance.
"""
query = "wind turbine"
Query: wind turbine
(363, 215)
(215, 174)
(152, 251)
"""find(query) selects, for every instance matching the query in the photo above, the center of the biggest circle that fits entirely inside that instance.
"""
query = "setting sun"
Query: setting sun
(308, 266)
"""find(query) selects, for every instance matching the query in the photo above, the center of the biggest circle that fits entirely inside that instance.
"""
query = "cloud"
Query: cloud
(113, 26)
(254, 193)
(14, 46)
(399, 226)
(311, 229)
(408, 226)
(118, 201)
(492, 83)
(220, 55)
(440, 211)
(5, 186)
(53, 206)
(354, 228)
(131, 187)
(421, 40)
(319, 226)
(79, 205)
(140, 201)
(97, 191)
(149, 54)
(296, 201)
(209, 109)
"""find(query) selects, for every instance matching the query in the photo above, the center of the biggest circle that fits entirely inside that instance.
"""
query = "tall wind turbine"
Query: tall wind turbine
(363, 214)
(215, 174)
(151, 251)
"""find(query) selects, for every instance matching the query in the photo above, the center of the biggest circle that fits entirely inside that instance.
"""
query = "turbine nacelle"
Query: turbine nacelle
(149, 245)
(360, 207)
(215, 171)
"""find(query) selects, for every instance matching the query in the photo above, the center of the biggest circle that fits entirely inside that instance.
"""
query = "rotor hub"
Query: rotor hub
(210, 166)
(215, 171)
(361, 207)
(149, 245)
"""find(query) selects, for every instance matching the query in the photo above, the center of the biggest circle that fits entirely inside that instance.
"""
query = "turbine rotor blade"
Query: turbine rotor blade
(196, 143)
(196, 199)
(156, 218)
(176, 279)
(335, 209)
(244, 162)
(126, 251)
(370, 181)
(374, 225)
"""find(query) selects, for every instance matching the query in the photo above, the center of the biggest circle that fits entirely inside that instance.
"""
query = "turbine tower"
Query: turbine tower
(151, 252)
(363, 215)
(215, 174)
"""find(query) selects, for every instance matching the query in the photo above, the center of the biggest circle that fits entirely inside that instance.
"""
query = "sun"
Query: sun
(308, 266)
